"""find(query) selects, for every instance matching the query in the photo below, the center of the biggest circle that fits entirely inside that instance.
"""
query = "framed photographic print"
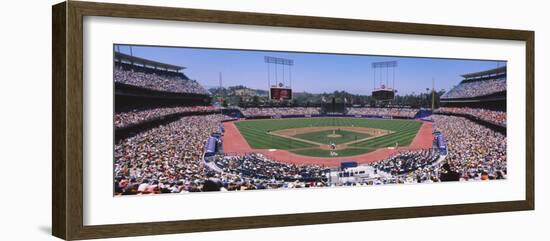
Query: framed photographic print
(171, 120)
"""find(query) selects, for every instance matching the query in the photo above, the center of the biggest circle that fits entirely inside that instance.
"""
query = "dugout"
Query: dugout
(347, 164)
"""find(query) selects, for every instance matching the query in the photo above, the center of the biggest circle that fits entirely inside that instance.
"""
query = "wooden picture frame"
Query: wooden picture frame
(67, 124)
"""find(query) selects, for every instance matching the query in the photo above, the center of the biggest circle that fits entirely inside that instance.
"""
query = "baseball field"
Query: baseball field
(328, 137)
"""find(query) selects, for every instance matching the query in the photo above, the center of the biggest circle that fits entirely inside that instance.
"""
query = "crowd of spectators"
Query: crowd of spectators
(257, 166)
(415, 166)
(475, 152)
(255, 171)
(406, 161)
(167, 158)
(280, 111)
(476, 88)
(137, 116)
(497, 117)
(400, 112)
(157, 81)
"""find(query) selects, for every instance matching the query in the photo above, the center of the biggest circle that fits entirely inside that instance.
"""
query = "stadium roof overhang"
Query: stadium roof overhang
(486, 72)
(146, 62)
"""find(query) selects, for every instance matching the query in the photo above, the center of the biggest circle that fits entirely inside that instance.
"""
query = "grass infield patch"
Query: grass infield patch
(324, 136)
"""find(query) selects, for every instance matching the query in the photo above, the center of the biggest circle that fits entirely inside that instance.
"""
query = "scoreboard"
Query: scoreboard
(281, 93)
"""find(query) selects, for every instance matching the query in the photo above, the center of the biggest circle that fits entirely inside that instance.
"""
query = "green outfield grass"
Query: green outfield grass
(322, 136)
(256, 133)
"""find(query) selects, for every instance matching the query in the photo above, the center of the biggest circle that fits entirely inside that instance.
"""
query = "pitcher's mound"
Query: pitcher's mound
(334, 136)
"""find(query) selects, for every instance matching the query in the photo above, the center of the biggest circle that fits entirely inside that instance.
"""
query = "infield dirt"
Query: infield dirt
(292, 132)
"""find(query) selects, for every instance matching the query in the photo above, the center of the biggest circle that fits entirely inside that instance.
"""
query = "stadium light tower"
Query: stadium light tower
(283, 63)
(385, 92)
(280, 90)
(433, 94)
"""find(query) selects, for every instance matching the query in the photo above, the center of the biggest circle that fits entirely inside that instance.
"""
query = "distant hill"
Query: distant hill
(233, 90)
(243, 96)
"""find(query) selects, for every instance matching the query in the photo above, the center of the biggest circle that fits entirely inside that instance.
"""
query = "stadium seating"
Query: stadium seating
(251, 112)
(397, 112)
(493, 116)
(156, 79)
(125, 119)
(476, 88)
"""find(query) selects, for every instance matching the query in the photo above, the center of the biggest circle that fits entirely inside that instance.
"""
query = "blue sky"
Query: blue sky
(312, 72)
